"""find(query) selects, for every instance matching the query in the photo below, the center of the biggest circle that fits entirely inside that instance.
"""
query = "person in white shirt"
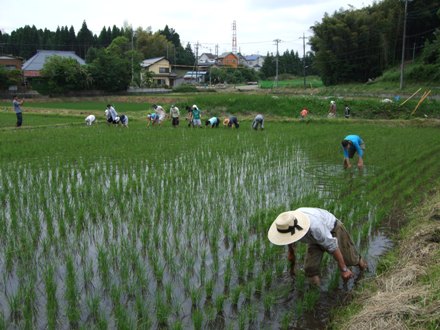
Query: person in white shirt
(160, 112)
(111, 114)
(322, 232)
(174, 113)
(90, 119)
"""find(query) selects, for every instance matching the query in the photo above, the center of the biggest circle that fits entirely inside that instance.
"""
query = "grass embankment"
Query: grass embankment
(241, 104)
(406, 292)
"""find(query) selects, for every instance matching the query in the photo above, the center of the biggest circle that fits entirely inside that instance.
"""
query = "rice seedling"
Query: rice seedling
(235, 296)
(72, 294)
(197, 318)
(51, 296)
(94, 207)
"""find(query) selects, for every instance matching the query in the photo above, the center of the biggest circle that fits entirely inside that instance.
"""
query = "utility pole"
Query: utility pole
(277, 41)
(403, 45)
(197, 61)
(304, 58)
(132, 51)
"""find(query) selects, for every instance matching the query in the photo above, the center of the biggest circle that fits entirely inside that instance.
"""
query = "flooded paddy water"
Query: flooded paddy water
(176, 242)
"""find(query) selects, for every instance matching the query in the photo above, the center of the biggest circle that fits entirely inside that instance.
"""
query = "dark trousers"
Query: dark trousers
(19, 119)
(175, 121)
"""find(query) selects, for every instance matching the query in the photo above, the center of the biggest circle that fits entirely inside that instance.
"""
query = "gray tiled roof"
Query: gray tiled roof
(150, 61)
(36, 62)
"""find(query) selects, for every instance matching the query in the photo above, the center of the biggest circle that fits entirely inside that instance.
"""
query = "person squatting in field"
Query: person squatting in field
(322, 232)
(231, 120)
(90, 119)
(175, 114)
(160, 112)
(123, 119)
(111, 114)
(304, 113)
(258, 122)
(350, 145)
(152, 119)
(213, 122)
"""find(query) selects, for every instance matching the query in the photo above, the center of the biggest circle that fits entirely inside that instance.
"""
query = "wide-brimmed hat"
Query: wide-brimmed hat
(226, 121)
(288, 227)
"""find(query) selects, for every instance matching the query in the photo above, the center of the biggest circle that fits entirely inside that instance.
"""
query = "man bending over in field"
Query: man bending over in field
(350, 145)
(322, 232)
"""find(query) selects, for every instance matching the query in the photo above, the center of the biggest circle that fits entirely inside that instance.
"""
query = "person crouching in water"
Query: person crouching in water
(213, 122)
(90, 119)
(350, 145)
(322, 232)
(111, 114)
(175, 114)
(258, 121)
(124, 120)
(231, 120)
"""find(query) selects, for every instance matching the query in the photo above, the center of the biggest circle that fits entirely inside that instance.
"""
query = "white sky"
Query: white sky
(208, 22)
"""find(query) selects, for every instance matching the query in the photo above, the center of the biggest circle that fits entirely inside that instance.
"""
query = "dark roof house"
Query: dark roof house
(33, 66)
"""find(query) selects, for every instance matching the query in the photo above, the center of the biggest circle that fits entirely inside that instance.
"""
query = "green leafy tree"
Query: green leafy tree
(110, 72)
(84, 40)
(9, 78)
(64, 75)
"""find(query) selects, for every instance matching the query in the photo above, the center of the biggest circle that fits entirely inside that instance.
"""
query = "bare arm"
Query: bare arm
(291, 257)
(346, 273)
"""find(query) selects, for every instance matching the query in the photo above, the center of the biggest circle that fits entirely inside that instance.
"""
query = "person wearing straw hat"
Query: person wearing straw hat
(321, 231)
(332, 110)
(231, 120)
(350, 145)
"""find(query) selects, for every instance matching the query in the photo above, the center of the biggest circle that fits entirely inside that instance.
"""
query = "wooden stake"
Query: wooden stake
(425, 95)
(409, 98)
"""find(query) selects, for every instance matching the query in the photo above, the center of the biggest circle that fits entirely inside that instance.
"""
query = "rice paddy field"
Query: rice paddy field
(105, 227)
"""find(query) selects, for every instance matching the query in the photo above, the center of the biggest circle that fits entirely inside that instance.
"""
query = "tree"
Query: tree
(9, 78)
(110, 72)
(64, 75)
(85, 40)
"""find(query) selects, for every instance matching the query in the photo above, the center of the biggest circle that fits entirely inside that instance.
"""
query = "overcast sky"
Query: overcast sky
(208, 22)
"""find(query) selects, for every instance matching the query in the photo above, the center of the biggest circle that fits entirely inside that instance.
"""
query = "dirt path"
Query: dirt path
(407, 294)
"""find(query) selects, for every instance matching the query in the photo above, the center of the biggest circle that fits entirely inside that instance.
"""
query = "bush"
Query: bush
(185, 88)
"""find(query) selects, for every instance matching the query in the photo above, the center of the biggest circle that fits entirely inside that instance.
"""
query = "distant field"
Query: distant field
(311, 82)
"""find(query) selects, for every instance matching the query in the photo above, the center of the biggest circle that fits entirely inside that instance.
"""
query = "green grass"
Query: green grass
(311, 82)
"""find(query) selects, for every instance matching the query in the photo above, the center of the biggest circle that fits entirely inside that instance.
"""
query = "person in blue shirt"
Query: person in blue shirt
(152, 119)
(350, 145)
(17, 108)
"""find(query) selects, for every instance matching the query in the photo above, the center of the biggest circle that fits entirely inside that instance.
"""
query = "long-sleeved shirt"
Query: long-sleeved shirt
(322, 223)
(356, 142)
(112, 113)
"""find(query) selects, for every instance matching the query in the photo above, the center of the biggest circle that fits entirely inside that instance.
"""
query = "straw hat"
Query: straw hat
(288, 228)
(226, 121)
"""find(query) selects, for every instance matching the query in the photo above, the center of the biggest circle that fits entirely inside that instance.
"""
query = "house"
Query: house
(161, 69)
(228, 59)
(207, 59)
(254, 61)
(11, 62)
(195, 77)
(33, 66)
